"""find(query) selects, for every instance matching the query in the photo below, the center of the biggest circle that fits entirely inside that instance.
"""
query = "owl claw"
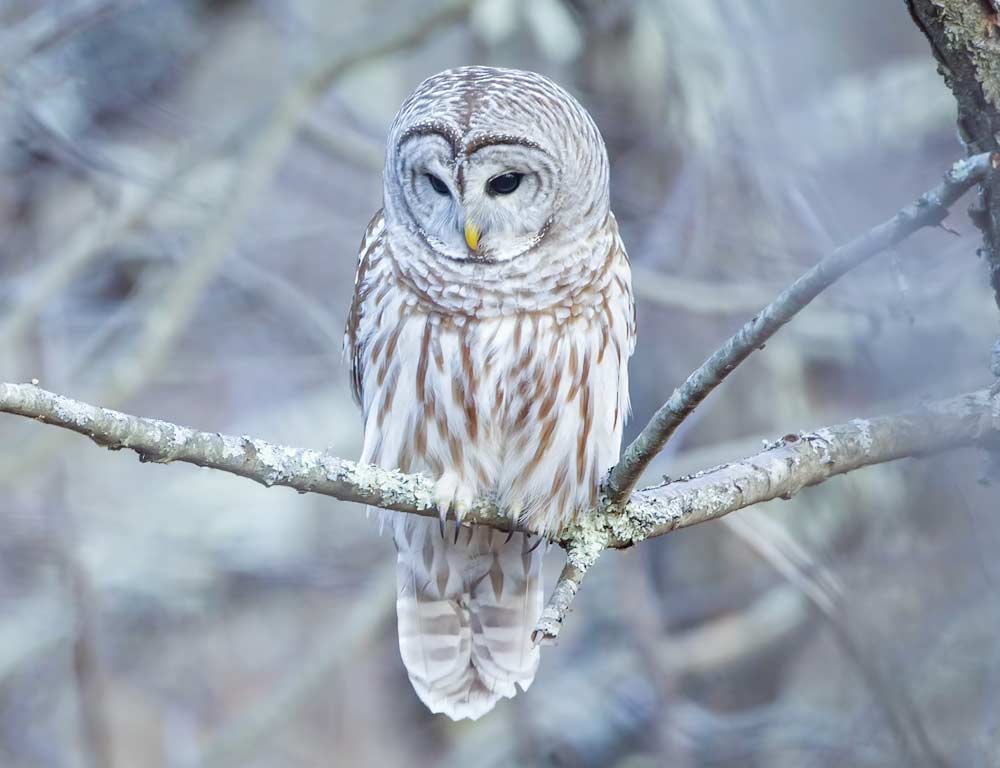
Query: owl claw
(514, 511)
(535, 546)
(460, 510)
(442, 508)
(451, 494)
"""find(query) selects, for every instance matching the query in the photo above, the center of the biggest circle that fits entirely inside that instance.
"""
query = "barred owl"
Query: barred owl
(488, 341)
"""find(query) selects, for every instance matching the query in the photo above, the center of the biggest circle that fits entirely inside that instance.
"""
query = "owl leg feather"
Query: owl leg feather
(465, 613)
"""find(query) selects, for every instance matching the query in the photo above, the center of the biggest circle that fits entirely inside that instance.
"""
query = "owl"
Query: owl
(488, 341)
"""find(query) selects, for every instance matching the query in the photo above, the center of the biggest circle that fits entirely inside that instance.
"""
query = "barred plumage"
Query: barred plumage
(494, 363)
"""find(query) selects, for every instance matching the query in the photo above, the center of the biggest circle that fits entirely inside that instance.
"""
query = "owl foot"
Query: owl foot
(451, 493)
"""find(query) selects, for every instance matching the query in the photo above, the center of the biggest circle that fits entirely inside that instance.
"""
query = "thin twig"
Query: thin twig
(779, 471)
(168, 317)
(824, 591)
(345, 143)
(45, 29)
(83, 246)
(929, 210)
(558, 605)
(333, 649)
(287, 118)
(700, 296)
(164, 322)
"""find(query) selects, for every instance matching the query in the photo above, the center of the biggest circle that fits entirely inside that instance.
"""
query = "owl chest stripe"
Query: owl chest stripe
(425, 348)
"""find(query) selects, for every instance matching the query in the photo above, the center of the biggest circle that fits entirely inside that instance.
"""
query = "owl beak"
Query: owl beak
(472, 233)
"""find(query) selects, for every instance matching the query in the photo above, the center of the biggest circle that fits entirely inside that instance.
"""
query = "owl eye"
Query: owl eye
(505, 183)
(439, 186)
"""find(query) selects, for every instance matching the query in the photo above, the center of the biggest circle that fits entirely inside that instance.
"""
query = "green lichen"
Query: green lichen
(586, 539)
(970, 26)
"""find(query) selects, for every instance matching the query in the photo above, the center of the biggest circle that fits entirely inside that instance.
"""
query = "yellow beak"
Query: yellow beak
(472, 235)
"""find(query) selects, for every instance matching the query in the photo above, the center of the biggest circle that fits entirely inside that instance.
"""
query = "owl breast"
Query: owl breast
(505, 392)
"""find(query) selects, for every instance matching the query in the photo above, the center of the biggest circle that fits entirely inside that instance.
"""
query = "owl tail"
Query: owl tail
(466, 611)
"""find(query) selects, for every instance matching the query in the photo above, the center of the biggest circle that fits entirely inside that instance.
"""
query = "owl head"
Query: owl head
(484, 165)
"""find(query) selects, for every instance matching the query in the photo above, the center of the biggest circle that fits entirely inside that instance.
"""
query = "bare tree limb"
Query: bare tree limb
(267, 149)
(165, 320)
(808, 458)
(929, 210)
(825, 592)
(780, 470)
(559, 602)
(270, 713)
(43, 30)
(962, 36)
(266, 463)
(169, 315)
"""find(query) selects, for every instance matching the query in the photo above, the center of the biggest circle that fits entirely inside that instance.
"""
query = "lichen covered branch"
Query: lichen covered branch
(929, 210)
(559, 602)
(964, 38)
(780, 470)
(305, 470)
(802, 459)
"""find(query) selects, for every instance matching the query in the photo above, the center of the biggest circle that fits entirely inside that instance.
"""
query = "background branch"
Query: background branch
(172, 309)
(226, 622)
(963, 38)
(929, 210)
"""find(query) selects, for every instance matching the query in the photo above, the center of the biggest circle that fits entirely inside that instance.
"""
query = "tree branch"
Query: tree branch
(929, 210)
(780, 470)
(803, 459)
(963, 38)
(259, 460)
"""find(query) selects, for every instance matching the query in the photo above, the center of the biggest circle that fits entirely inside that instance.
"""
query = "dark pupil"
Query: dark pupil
(505, 183)
(439, 186)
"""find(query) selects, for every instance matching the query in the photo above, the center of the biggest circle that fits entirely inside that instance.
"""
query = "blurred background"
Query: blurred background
(183, 187)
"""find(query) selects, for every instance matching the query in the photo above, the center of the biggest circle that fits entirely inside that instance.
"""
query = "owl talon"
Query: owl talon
(514, 512)
(460, 508)
(536, 544)
(450, 493)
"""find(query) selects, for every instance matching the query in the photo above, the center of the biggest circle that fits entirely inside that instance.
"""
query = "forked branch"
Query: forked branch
(928, 211)
(624, 516)
(781, 470)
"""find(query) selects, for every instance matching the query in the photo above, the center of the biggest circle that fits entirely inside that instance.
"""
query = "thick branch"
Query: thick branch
(965, 38)
(781, 470)
(929, 210)
(267, 463)
(807, 458)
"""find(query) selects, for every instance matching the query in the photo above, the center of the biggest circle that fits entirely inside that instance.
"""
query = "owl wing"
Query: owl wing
(624, 275)
(354, 352)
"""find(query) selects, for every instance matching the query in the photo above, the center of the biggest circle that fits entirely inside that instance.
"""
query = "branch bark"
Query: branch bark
(780, 470)
(965, 38)
(929, 210)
